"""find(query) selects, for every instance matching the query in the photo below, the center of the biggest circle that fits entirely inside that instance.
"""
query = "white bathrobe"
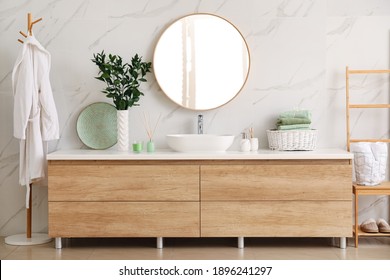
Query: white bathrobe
(35, 114)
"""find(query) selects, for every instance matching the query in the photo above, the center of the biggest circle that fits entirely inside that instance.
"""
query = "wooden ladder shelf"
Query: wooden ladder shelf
(382, 189)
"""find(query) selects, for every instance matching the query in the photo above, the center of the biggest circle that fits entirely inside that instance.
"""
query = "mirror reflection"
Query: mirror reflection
(201, 61)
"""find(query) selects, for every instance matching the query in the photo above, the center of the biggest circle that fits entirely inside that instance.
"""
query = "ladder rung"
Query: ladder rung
(369, 140)
(369, 105)
(368, 71)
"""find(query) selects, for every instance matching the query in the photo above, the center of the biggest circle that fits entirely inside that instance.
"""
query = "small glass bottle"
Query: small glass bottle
(150, 147)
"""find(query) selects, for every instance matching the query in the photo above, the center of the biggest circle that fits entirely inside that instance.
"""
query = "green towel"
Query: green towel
(294, 126)
(296, 114)
(288, 121)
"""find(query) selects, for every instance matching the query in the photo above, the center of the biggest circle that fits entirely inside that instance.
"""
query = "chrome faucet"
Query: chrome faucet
(200, 124)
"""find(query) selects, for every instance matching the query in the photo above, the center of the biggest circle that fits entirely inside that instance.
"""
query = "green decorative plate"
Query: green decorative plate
(96, 126)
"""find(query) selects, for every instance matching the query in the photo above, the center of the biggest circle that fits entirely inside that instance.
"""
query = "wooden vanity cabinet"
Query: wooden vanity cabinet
(200, 198)
(277, 199)
(123, 199)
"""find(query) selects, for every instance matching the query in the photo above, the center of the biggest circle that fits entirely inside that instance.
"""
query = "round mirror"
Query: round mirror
(201, 61)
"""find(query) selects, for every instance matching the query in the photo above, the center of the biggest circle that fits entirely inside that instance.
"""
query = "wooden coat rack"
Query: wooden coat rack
(30, 24)
(28, 238)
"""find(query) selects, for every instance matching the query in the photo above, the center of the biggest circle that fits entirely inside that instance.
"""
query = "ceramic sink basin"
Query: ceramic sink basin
(199, 142)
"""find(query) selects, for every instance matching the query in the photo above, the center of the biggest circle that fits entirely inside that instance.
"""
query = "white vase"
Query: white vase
(123, 130)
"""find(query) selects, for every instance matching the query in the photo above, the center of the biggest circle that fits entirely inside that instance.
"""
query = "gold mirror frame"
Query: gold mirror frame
(175, 90)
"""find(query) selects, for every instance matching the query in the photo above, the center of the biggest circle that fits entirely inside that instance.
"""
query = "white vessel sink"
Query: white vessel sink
(199, 142)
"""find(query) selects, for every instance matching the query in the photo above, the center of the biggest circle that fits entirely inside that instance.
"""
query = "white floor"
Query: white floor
(201, 249)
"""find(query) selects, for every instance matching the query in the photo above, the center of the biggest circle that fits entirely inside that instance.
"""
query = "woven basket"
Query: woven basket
(292, 140)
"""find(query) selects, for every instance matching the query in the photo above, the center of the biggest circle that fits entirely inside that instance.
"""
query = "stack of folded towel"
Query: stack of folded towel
(297, 119)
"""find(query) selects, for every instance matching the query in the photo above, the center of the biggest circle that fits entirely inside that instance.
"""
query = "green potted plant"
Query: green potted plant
(123, 81)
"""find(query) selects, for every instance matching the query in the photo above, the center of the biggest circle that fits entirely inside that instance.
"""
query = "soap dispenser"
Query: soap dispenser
(245, 145)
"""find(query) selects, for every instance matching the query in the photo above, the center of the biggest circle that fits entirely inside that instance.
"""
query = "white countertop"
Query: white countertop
(171, 155)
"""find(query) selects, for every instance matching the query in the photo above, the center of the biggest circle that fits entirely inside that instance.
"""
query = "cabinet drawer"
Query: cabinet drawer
(276, 182)
(124, 219)
(108, 182)
(277, 219)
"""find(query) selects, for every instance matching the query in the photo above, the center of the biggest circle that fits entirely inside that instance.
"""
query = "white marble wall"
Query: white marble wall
(299, 50)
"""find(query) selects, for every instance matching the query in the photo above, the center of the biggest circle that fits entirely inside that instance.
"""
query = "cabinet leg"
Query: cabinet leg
(58, 242)
(160, 243)
(343, 242)
(240, 241)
